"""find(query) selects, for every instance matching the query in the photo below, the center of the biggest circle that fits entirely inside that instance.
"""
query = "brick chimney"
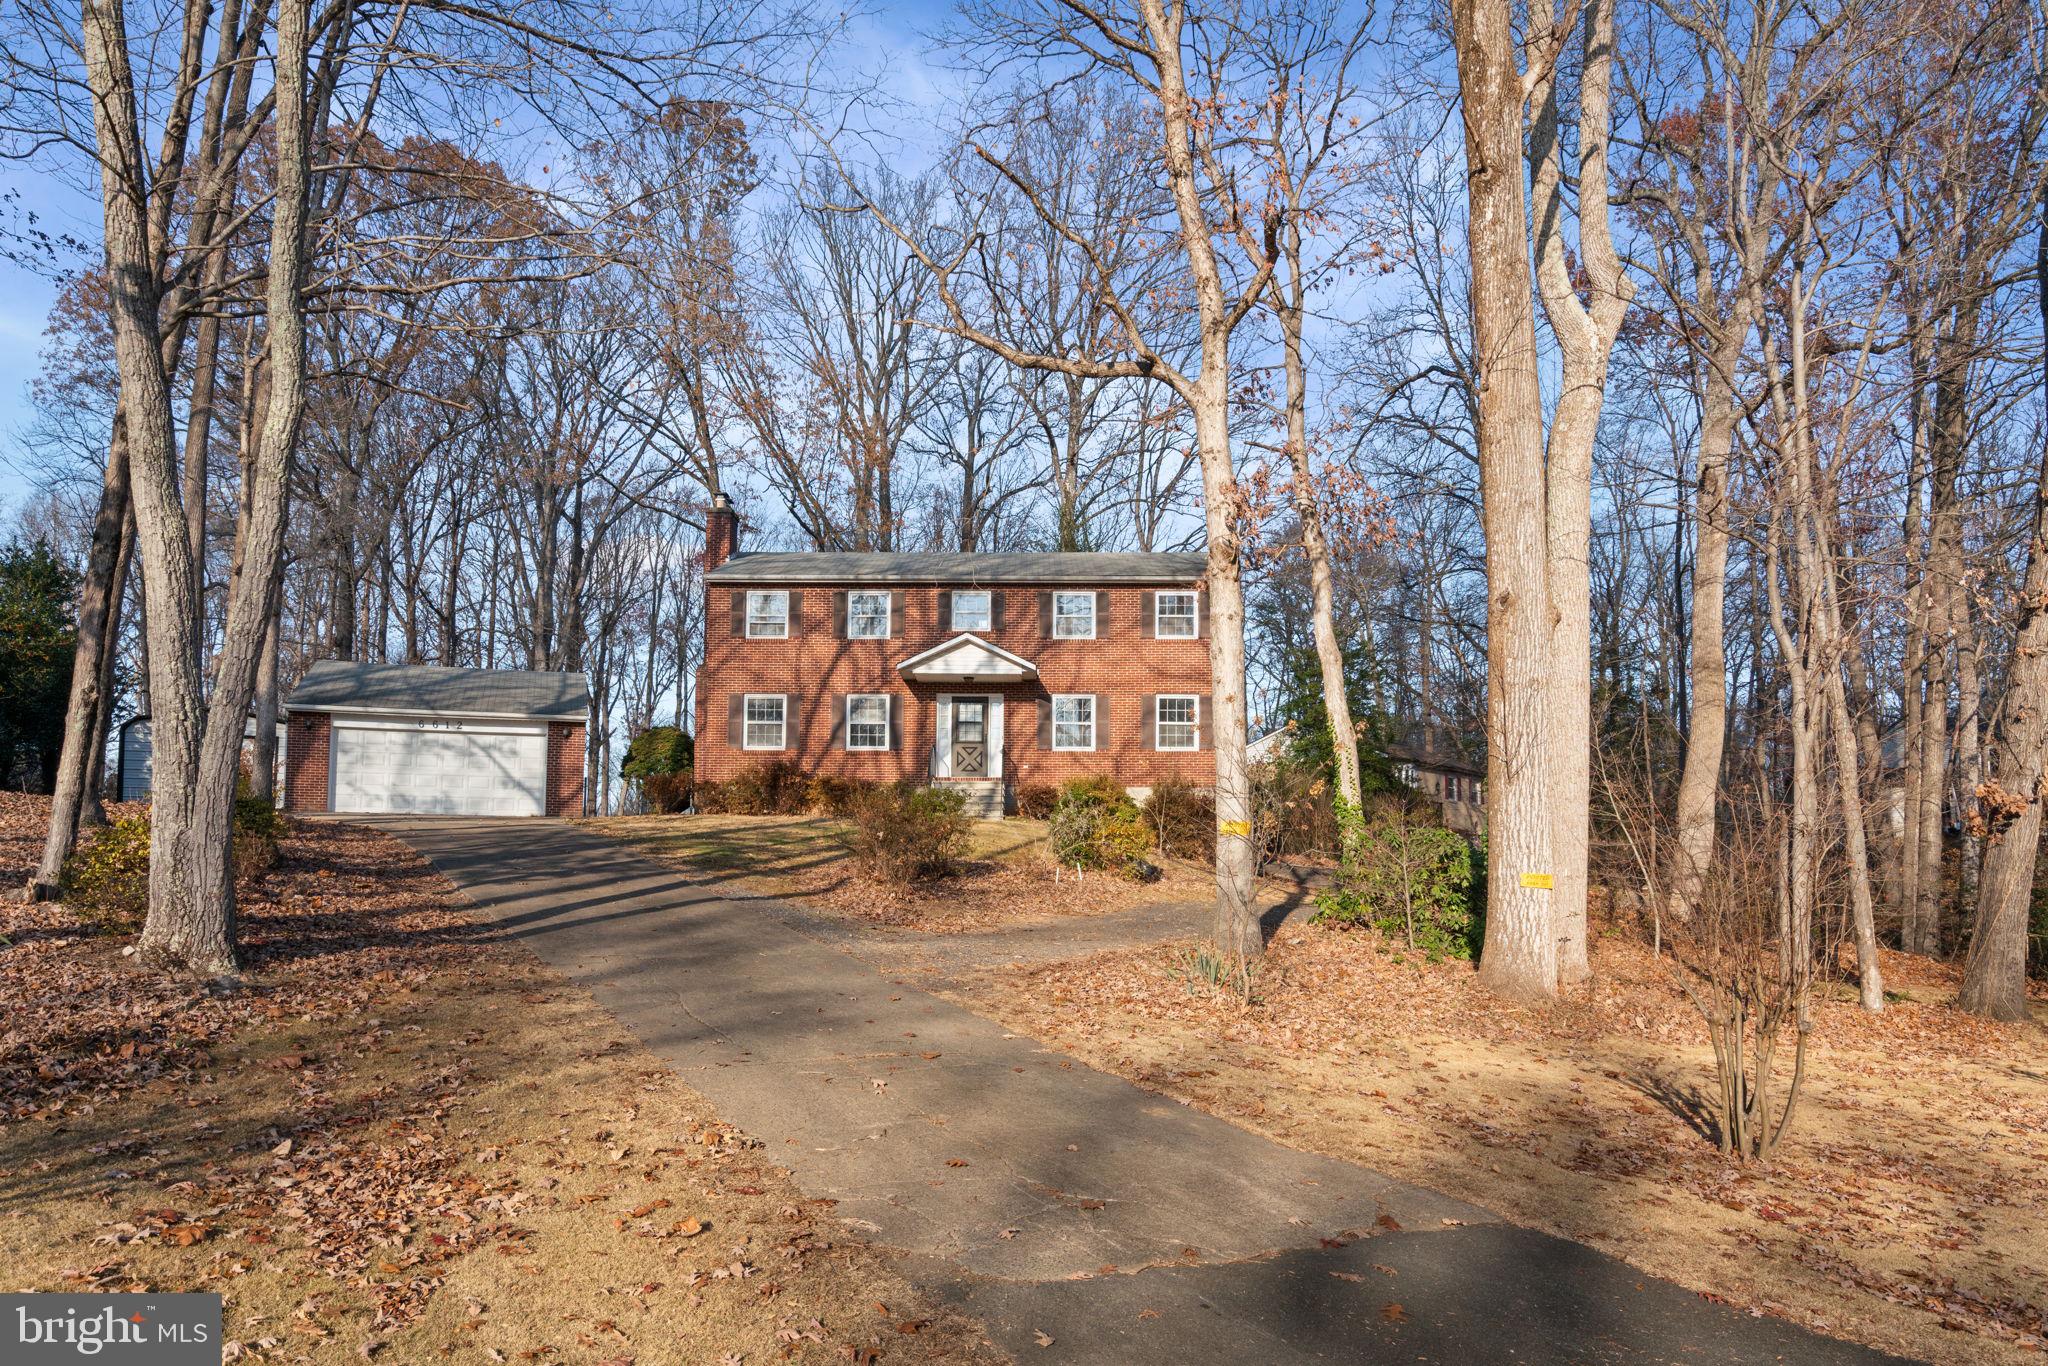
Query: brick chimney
(721, 532)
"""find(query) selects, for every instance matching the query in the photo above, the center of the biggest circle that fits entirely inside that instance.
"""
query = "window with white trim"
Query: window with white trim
(767, 721)
(1073, 616)
(1175, 722)
(971, 611)
(1173, 616)
(767, 615)
(867, 721)
(867, 616)
(1073, 721)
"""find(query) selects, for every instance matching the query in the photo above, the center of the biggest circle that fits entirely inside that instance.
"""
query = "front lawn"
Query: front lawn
(400, 1140)
(1906, 1209)
(1006, 880)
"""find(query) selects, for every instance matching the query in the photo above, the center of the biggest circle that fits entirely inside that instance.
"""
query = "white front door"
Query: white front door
(439, 770)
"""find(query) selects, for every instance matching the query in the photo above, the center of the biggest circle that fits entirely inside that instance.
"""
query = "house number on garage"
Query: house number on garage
(429, 723)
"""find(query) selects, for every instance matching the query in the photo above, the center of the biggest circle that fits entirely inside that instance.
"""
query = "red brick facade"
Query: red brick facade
(308, 741)
(1125, 667)
(565, 768)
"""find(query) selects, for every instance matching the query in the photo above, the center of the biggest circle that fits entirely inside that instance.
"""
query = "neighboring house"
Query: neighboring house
(982, 672)
(132, 757)
(435, 741)
(1452, 783)
(1268, 748)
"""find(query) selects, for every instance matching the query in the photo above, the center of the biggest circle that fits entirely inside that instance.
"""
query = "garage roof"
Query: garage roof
(1025, 567)
(344, 684)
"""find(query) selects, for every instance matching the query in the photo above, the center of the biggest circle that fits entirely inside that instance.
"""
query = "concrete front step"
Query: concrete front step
(984, 798)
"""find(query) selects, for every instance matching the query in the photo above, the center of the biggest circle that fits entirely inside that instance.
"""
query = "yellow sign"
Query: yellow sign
(1243, 828)
(1543, 881)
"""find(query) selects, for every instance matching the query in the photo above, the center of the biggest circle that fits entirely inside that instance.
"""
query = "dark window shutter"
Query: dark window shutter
(739, 612)
(1101, 615)
(1202, 614)
(736, 720)
(1101, 714)
(1149, 738)
(796, 611)
(1045, 615)
(839, 614)
(896, 622)
(995, 609)
(839, 735)
(945, 609)
(890, 703)
(1202, 723)
(1045, 723)
(791, 731)
(1148, 603)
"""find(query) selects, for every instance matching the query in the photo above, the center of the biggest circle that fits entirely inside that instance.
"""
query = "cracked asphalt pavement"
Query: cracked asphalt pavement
(1078, 1217)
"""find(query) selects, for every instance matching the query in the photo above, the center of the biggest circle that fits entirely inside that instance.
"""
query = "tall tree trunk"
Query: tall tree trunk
(1995, 967)
(1520, 954)
(177, 932)
(263, 746)
(1237, 930)
(1699, 781)
(1585, 333)
(252, 598)
(98, 604)
(1315, 543)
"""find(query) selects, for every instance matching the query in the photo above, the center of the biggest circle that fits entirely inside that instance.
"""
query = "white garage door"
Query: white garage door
(438, 772)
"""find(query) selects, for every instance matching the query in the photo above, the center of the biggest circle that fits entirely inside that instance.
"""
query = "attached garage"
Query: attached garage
(419, 740)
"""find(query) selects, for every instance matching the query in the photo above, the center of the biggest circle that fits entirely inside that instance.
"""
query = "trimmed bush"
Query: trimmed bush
(773, 789)
(838, 797)
(1034, 800)
(1183, 819)
(1095, 824)
(1410, 879)
(107, 878)
(906, 833)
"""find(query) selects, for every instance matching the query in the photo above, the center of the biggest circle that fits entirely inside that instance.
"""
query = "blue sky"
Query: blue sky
(887, 42)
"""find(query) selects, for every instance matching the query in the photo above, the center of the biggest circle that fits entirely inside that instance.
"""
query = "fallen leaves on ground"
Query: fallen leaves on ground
(1905, 1209)
(371, 1157)
(802, 859)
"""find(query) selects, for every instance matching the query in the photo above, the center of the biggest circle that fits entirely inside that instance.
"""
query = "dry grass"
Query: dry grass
(1007, 881)
(1907, 1210)
(370, 1155)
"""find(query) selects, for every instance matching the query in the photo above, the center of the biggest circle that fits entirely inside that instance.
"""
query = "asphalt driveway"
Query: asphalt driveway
(1042, 1197)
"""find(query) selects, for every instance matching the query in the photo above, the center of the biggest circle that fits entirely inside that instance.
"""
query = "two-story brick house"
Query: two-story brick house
(987, 672)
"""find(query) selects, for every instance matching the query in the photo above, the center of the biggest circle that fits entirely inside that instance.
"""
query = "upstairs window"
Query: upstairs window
(1073, 722)
(867, 721)
(867, 616)
(767, 616)
(971, 611)
(766, 717)
(1173, 616)
(1177, 728)
(1073, 616)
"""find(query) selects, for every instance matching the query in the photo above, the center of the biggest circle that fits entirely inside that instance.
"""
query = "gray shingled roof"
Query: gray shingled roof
(420, 687)
(1047, 567)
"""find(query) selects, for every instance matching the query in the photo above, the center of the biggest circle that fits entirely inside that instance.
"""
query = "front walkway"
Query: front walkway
(1027, 1188)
